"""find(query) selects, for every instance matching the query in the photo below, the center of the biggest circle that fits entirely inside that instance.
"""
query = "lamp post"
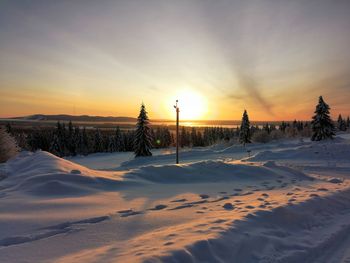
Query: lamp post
(177, 131)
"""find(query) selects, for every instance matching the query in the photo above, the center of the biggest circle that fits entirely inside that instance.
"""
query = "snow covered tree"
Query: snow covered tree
(71, 139)
(341, 123)
(55, 146)
(98, 142)
(283, 126)
(118, 140)
(8, 146)
(321, 124)
(143, 139)
(185, 137)
(194, 137)
(9, 128)
(245, 134)
(111, 144)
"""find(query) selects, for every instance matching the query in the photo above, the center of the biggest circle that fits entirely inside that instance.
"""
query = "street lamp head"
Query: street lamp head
(175, 106)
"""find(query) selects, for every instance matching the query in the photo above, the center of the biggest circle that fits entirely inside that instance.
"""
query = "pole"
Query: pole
(177, 132)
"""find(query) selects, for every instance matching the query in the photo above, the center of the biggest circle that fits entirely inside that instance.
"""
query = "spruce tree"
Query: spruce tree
(111, 144)
(118, 140)
(194, 137)
(98, 141)
(245, 134)
(185, 137)
(341, 123)
(55, 146)
(85, 143)
(322, 125)
(143, 139)
(167, 137)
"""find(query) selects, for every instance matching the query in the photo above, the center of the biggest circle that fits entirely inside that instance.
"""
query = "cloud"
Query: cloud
(250, 85)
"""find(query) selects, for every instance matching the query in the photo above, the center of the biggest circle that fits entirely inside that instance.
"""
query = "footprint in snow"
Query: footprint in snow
(158, 207)
(129, 212)
(204, 196)
(220, 221)
(74, 171)
(265, 194)
(220, 199)
(179, 200)
(250, 207)
(182, 206)
(124, 211)
(228, 206)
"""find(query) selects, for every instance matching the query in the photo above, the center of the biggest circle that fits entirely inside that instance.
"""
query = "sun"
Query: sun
(193, 105)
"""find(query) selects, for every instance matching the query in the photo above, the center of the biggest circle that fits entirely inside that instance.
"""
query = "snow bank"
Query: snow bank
(212, 171)
(44, 174)
(316, 151)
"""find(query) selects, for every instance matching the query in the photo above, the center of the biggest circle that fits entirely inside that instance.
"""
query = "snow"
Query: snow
(288, 202)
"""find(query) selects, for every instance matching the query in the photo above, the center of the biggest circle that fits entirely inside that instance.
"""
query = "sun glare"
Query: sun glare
(193, 105)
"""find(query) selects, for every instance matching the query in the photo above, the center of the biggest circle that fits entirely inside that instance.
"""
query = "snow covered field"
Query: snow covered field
(288, 202)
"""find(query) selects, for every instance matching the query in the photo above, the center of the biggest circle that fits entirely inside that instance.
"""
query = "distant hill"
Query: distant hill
(82, 118)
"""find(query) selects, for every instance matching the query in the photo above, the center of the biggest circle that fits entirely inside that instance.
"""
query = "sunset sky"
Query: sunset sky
(273, 58)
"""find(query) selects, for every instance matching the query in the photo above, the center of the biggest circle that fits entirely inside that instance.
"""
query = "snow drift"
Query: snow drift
(42, 173)
(316, 151)
(212, 171)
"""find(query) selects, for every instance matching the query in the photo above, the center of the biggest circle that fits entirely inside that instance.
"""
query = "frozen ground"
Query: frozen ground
(288, 202)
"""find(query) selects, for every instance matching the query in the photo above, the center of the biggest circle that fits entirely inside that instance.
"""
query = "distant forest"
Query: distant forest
(70, 140)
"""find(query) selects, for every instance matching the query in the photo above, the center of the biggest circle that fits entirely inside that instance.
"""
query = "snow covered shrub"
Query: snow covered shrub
(8, 146)
(261, 136)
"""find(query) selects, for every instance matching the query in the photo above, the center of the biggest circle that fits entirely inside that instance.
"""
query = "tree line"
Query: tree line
(71, 140)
